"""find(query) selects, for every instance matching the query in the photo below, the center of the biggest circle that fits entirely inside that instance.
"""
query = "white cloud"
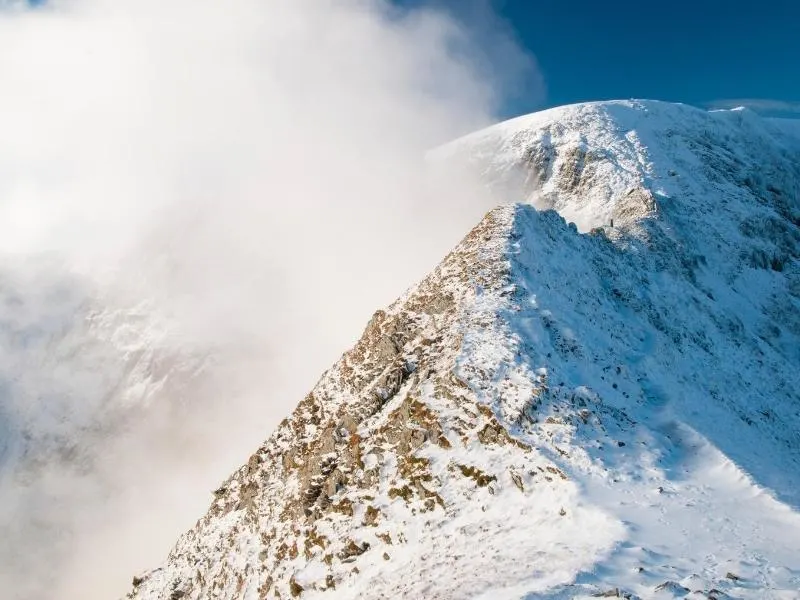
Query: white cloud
(250, 171)
(759, 104)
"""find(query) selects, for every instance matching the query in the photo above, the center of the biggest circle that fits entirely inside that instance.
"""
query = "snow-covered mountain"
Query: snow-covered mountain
(597, 400)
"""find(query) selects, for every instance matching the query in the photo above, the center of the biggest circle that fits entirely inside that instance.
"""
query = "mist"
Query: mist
(201, 205)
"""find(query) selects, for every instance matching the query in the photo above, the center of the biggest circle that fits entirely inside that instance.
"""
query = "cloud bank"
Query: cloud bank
(762, 105)
(201, 203)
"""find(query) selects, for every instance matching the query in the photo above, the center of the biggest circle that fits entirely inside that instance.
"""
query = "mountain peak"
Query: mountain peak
(584, 159)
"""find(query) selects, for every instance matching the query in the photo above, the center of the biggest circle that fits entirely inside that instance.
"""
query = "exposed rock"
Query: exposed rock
(635, 205)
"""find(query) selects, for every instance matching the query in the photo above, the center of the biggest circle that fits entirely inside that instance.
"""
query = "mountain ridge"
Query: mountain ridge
(584, 403)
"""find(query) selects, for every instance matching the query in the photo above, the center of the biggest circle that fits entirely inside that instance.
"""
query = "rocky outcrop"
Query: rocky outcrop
(358, 445)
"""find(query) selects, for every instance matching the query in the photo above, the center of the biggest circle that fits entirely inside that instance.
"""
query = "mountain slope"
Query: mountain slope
(554, 414)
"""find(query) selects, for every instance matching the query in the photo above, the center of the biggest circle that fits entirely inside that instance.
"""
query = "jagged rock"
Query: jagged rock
(673, 587)
(635, 205)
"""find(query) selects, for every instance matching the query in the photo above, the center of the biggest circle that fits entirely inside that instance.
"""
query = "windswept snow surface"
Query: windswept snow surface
(672, 320)
(700, 464)
(559, 410)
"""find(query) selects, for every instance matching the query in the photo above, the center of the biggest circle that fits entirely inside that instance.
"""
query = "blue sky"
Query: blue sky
(702, 52)
(711, 53)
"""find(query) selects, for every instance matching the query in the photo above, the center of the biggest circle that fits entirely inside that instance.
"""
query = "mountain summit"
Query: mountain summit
(597, 393)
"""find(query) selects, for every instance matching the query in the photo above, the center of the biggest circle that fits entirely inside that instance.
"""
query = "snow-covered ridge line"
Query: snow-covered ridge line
(582, 159)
